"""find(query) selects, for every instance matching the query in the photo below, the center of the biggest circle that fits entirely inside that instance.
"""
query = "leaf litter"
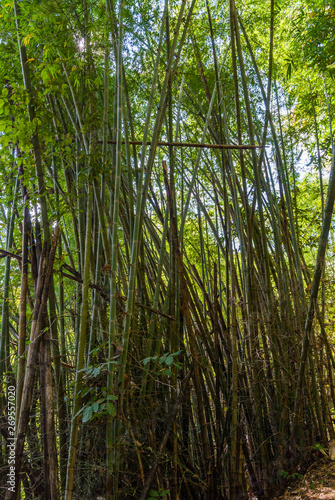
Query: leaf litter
(317, 483)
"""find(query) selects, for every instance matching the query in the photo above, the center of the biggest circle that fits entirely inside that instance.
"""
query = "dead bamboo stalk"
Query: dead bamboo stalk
(42, 293)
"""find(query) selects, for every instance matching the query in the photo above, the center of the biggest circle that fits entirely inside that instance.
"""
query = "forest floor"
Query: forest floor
(317, 483)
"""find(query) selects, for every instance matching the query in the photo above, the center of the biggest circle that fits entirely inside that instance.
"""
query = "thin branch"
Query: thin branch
(193, 145)
(5, 253)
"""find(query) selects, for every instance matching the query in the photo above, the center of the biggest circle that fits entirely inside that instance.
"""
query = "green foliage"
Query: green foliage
(319, 34)
(319, 447)
(167, 360)
(158, 495)
(291, 477)
(96, 407)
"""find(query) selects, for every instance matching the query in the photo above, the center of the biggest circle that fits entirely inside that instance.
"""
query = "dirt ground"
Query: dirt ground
(317, 483)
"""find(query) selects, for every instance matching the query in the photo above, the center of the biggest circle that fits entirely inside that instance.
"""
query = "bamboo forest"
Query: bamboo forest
(167, 250)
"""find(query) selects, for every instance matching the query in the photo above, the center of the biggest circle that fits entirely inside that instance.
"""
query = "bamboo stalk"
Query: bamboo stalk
(113, 443)
(187, 316)
(42, 290)
(319, 264)
(81, 352)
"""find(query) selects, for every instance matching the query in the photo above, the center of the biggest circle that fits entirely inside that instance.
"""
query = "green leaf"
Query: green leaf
(179, 366)
(169, 360)
(88, 413)
(85, 391)
(166, 372)
(147, 360)
(111, 409)
(163, 358)
(95, 406)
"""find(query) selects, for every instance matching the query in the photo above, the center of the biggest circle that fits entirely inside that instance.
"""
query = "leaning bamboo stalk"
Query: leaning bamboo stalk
(319, 265)
(329, 113)
(281, 173)
(58, 349)
(143, 189)
(187, 315)
(76, 105)
(23, 298)
(196, 167)
(42, 291)
(153, 319)
(234, 490)
(112, 453)
(254, 342)
(255, 162)
(47, 417)
(323, 291)
(40, 175)
(4, 341)
(81, 351)
(35, 138)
